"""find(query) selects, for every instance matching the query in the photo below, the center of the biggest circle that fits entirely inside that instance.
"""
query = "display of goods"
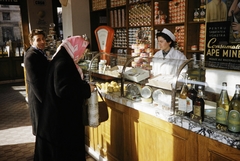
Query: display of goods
(115, 3)
(179, 34)
(99, 4)
(120, 38)
(140, 15)
(117, 18)
(176, 11)
(202, 37)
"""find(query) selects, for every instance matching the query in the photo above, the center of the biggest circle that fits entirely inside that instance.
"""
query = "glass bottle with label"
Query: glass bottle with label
(182, 100)
(199, 104)
(191, 96)
(222, 109)
(234, 111)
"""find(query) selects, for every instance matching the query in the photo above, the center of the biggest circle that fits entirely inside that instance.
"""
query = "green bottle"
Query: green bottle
(222, 109)
(234, 111)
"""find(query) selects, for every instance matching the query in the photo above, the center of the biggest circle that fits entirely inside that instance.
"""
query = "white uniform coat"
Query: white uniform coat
(168, 65)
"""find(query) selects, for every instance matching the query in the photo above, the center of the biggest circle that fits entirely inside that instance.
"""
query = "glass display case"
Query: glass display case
(153, 81)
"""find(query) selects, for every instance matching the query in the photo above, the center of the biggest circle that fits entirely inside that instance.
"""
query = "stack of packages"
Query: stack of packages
(202, 37)
(179, 34)
(177, 11)
(98, 4)
(144, 53)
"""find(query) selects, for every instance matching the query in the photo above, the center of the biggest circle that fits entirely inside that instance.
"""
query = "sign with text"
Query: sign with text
(9, 2)
(39, 2)
(219, 53)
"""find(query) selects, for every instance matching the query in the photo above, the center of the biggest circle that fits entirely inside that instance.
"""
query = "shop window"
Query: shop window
(11, 33)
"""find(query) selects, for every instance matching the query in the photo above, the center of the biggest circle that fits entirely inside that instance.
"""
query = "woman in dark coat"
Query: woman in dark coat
(61, 133)
(35, 63)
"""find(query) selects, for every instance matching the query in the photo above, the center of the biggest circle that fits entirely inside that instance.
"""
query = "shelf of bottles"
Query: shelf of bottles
(191, 97)
(191, 100)
(199, 13)
(99, 5)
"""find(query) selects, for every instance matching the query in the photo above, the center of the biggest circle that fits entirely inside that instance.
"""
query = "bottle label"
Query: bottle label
(197, 110)
(221, 116)
(182, 104)
(234, 121)
(189, 105)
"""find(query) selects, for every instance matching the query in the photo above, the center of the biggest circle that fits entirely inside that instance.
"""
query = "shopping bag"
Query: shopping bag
(100, 111)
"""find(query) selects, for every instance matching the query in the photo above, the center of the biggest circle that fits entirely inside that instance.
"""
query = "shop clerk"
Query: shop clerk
(172, 58)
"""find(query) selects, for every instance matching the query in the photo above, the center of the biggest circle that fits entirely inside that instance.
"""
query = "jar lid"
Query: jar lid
(146, 92)
(133, 89)
(157, 94)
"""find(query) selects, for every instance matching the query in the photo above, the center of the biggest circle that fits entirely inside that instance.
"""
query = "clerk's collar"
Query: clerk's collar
(165, 52)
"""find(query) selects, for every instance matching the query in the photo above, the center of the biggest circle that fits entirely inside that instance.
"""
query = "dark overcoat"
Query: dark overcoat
(61, 133)
(35, 64)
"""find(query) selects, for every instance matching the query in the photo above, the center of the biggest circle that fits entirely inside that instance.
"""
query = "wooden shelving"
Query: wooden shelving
(135, 14)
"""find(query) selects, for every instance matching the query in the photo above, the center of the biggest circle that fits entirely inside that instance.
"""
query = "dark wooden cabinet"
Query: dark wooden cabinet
(11, 69)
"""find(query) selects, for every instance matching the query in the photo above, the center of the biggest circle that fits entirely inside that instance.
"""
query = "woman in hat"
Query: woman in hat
(172, 58)
(166, 42)
(61, 134)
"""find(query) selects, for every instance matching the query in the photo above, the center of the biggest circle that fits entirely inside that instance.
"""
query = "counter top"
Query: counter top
(207, 128)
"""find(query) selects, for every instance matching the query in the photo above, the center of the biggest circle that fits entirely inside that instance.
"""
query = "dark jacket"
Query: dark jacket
(36, 65)
(61, 133)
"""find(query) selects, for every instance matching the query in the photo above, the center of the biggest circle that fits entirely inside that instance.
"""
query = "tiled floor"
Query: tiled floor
(16, 139)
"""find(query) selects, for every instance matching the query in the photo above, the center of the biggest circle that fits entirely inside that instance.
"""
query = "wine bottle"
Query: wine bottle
(234, 111)
(182, 100)
(222, 109)
(191, 96)
(199, 104)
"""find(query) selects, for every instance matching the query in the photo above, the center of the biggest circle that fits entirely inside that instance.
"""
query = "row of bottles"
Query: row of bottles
(228, 112)
(191, 101)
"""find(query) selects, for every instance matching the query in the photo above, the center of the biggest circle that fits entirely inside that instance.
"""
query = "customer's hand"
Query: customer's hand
(92, 87)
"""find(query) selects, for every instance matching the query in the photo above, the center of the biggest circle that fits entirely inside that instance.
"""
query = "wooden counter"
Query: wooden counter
(134, 135)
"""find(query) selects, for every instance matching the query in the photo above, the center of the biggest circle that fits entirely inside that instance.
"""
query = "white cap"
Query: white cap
(169, 33)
